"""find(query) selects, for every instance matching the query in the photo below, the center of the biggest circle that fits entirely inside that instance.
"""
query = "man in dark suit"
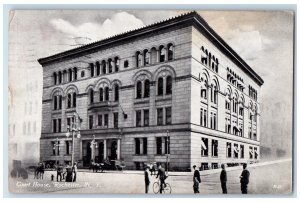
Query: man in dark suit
(223, 179)
(147, 179)
(244, 179)
(196, 180)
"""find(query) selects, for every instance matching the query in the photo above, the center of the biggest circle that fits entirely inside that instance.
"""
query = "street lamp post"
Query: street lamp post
(74, 130)
(56, 145)
(94, 145)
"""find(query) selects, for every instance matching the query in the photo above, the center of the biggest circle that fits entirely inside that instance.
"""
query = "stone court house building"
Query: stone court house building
(172, 88)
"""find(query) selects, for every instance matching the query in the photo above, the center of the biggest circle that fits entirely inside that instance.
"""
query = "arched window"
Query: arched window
(170, 52)
(169, 85)
(54, 78)
(162, 54)
(65, 76)
(106, 94)
(74, 99)
(101, 94)
(70, 75)
(153, 56)
(139, 89)
(146, 57)
(92, 69)
(98, 68)
(59, 77)
(57, 101)
(117, 64)
(138, 59)
(75, 73)
(160, 86)
(147, 88)
(69, 101)
(116, 92)
(91, 93)
(103, 67)
(110, 66)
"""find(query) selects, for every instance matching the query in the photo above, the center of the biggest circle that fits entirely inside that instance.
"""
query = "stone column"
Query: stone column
(105, 149)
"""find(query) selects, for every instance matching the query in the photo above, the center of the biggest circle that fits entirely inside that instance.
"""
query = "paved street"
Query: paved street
(264, 179)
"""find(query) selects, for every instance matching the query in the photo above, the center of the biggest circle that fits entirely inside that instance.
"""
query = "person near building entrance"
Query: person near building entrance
(162, 177)
(196, 180)
(147, 179)
(59, 173)
(244, 179)
(223, 179)
(74, 170)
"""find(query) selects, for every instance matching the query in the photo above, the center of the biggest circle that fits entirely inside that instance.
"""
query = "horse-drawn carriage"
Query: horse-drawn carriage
(107, 165)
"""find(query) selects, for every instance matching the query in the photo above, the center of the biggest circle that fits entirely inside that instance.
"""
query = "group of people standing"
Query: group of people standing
(69, 173)
(244, 179)
(161, 174)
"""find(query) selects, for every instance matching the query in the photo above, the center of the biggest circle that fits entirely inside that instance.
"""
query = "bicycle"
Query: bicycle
(166, 189)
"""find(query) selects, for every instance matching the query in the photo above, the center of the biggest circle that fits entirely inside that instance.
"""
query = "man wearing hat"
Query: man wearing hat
(196, 180)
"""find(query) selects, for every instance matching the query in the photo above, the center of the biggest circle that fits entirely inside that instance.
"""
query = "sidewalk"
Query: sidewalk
(204, 172)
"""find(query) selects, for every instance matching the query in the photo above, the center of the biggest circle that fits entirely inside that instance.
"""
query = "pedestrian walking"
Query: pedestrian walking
(74, 170)
(59, 171)
(196, 180)
(147, 179)
(244, 179)
(223, 179)
(162, 177)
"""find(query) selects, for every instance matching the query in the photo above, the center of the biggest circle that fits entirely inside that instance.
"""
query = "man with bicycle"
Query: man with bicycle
(162, 177)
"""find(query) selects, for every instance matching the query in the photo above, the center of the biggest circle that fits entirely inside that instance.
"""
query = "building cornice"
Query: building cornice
(188, 19)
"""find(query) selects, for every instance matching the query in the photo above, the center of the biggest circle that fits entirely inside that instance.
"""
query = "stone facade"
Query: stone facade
(131, 122)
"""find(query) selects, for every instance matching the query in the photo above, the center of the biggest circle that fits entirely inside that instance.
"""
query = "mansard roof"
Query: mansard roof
(187, 19)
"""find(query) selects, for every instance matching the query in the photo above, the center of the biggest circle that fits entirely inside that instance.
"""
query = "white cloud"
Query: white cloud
(89, 32)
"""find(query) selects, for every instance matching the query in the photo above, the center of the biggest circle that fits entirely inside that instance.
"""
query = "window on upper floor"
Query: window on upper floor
(214, 148)
(117, 64)
(103, 63)
(97, 68)
(168, 115)
(169, 85)
(139, 90)
(160, 86)
(101, 95)
(204, 146)
(138, 118)
(159, 116)
(146, 117)
(138, 59)
(146, 88)
(146, 57)
(116, 92)
(57, 101)
(170, 51)
(162, 54)
(106, 91)
(110, 66)
(92, 69)
(91, 96)
(126, 63)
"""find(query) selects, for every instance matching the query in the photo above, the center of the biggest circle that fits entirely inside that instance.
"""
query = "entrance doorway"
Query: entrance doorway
(114, 148)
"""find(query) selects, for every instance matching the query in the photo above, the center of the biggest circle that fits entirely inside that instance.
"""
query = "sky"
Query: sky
(264, 39)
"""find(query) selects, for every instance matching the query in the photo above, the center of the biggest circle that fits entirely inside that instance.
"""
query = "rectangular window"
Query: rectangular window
(106, 120)
(146, 117)
(59, 125)
(68, 147)
(236, 150)
(242, 151)
(255, 153)
(99, 119)
(251, 152)
(53, 148)
(211, 120)
(69, 122)
(167, 145)
(54, 125)
(138, 115)
(116, 120)
(60, 101)
(214, 148)
(145, 146)
(204, 147)
(201, 117)
(91, 121)
(160, 116)
(204, 118)
(168, 115)
(215, 121)
(137, 145)
(228, 146)
(159, 145)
